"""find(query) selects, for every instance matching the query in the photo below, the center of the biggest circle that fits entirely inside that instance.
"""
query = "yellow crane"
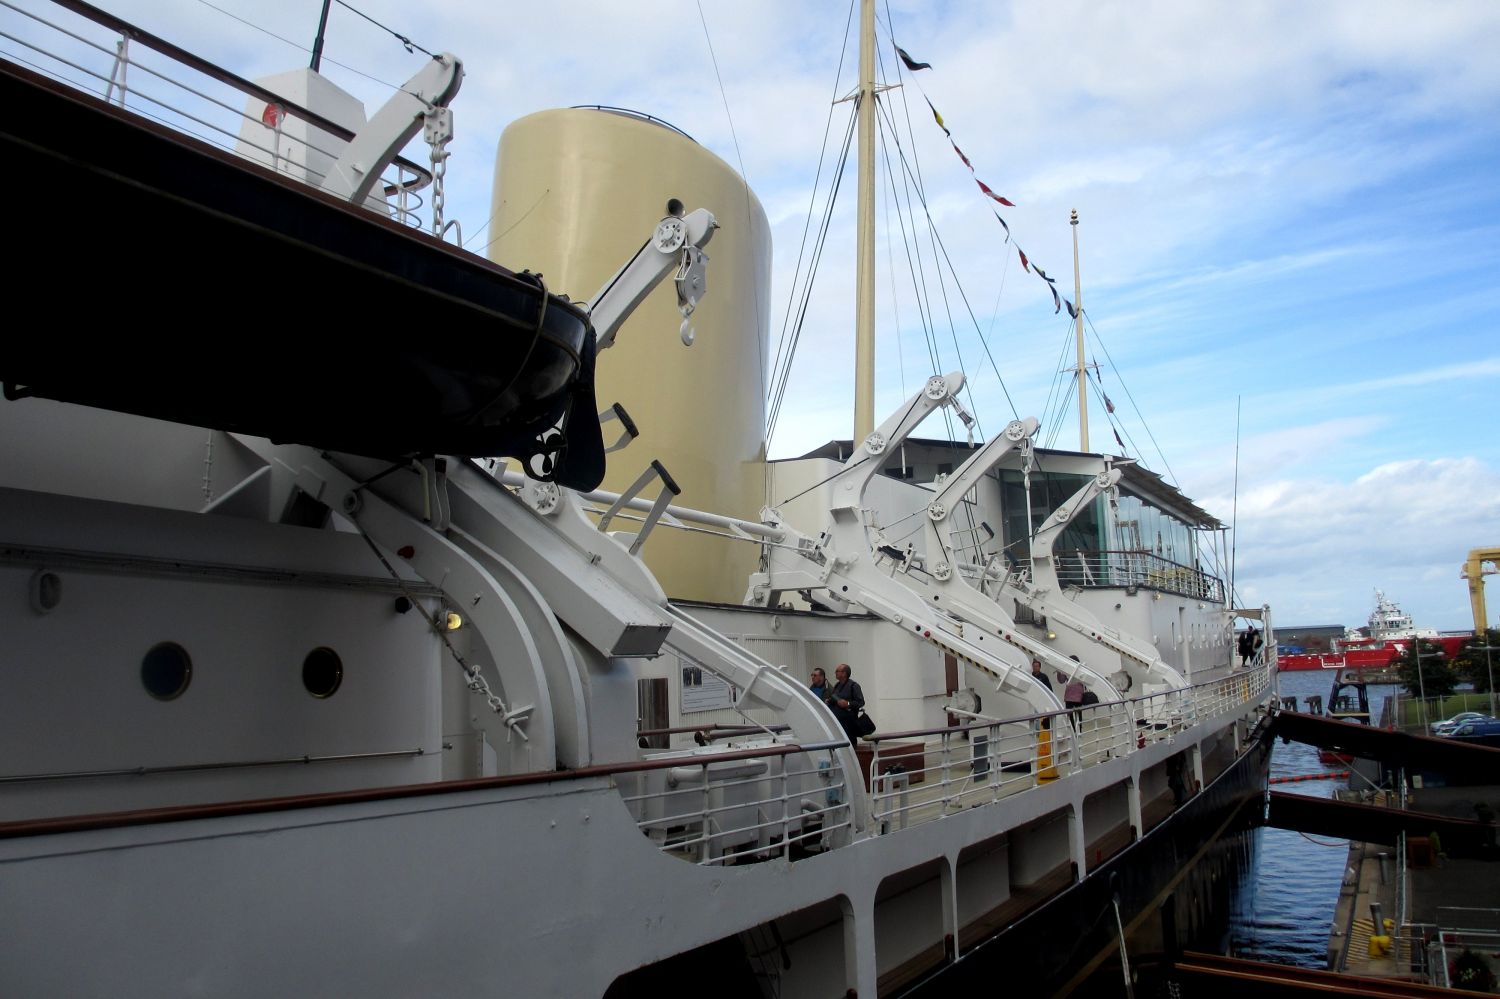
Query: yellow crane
(1474, 570)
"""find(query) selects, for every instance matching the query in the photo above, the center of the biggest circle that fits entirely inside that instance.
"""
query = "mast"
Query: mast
(317, 50)
(864, 294)
(1083, 381)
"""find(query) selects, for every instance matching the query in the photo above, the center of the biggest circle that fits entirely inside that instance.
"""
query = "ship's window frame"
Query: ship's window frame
(166, 671)
(316, 675)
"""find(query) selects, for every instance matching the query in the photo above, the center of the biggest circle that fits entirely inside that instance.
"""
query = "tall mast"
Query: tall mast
(1083, 379)
(864, 293)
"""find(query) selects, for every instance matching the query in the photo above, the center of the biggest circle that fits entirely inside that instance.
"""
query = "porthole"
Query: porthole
(166, 671)
(322, 672)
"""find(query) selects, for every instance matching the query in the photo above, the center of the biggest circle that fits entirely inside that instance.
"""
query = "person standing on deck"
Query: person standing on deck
(1038, 675)
(1073, 692)
(846, 700)
(1044, 680)
(819, 683)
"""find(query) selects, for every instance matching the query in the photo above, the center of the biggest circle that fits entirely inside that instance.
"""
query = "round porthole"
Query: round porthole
(166, 671)
(322, 672)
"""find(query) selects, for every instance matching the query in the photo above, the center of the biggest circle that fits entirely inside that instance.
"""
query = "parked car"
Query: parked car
(1446, 726)
(1484, 732)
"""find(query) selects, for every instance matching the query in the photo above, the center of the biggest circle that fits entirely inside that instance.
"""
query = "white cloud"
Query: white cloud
(1316, 550)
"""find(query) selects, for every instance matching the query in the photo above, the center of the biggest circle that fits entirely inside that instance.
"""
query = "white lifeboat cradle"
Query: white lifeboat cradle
(468, 809)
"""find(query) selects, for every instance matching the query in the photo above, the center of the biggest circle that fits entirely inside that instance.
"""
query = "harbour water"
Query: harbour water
(1283, 910)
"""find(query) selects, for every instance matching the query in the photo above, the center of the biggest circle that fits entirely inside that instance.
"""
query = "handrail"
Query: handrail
(224, 76)
(251, 806)
(921, 775)
(186, 768)
(714, 729)
(1138, 567)
(1126, 701)
(632, 113)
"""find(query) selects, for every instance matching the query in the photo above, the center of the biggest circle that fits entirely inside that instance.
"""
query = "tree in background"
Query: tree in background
(1471, 665)
(1437, 678)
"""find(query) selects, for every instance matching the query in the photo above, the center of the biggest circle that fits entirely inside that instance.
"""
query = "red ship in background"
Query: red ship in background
(1391, 631)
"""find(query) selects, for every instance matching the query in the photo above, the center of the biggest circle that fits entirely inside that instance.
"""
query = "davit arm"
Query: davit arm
(1043, 594)
(423, 98)
(678, 241)
(845, 562)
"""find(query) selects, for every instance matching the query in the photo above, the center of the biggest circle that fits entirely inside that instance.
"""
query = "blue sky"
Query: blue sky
(1288, 209)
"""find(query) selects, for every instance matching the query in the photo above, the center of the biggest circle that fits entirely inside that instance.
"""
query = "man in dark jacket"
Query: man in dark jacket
(1038, 675)
(846, 700)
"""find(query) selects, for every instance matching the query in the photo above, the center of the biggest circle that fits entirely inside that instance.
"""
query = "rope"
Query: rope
(475, 678)
(297, 45)
(947, 259)
(783, 376)
(844, 468)
(477, 412)
(1317, 842)
(407, 43)
(914, 179)
(1107, 356)
(760, 333)
(782, 341)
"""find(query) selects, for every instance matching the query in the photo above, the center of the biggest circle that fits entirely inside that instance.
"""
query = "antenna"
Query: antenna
(1234, 516)
(317, 49)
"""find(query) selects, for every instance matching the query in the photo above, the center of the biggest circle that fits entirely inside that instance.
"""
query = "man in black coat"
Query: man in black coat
(846, 700)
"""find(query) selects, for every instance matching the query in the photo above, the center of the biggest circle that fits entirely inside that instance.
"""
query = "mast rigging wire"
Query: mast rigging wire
(756, 278)
(782, 376)
(895, 133)
(890, 269)
(1113, 367)
(782, 339)
(1234, 517)
(296, 45)
(942, 289)
(846, 466)
(947, 259)
(407, 43)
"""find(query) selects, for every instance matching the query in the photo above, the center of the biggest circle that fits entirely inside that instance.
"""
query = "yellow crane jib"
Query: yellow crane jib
(1474, 571)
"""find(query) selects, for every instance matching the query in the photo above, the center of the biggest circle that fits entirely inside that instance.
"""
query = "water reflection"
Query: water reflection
(1284, 911)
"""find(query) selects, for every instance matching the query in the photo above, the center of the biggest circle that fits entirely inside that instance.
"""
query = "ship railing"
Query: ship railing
(1091, 568)
(702, 735)
(710, 806)
(920, 775)
(1458, 931)
(1415, 944)
(83, 47)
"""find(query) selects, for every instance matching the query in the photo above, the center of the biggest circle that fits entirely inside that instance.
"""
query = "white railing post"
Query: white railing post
(122, 61)
(704, 851)
(786, 822)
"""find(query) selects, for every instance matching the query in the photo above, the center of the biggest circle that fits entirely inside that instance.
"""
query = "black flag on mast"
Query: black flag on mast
(911, 63)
